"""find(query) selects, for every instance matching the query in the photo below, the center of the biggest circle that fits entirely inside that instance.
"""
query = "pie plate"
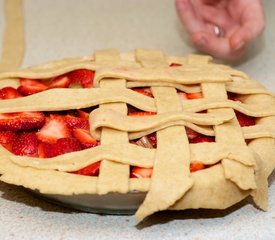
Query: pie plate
(111, 203)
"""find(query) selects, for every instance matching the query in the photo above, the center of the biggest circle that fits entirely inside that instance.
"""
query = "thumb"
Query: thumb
(217, 47)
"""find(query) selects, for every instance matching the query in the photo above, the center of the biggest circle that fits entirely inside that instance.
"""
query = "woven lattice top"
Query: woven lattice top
(235, 168)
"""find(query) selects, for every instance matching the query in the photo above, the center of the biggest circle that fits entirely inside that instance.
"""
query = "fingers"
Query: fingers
(217, 47)
(188, 16)
(217, 16)
(241, 22)
(211, 2)
(253, 23)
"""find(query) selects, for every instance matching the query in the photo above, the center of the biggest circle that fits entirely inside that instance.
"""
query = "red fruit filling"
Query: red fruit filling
(91, 170)
(139, 172)
(26, 144)
(190, 96)
(9, 93)
(145, 91)
(27, 86)
(44, 135)
(82, 76)
(245, 120)
(21, 121)
(175, 65)
(84, 137)
(196, 167)
(141, 114)
(54, 128)
(60, 82)
(30, 86)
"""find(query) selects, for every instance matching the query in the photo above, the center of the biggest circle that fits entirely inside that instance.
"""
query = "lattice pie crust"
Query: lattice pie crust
(237, 169)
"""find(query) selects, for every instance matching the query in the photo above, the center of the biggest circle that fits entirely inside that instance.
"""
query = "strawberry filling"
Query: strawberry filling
(46, 135)
(27, 86)
(9, 93)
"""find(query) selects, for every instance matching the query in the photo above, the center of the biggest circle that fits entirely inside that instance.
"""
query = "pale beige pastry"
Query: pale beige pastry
(236, 165)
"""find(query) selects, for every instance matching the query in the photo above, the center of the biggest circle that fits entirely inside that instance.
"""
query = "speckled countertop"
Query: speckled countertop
(65, 28)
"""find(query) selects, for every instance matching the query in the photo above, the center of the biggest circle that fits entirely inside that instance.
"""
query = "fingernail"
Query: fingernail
(239, 46)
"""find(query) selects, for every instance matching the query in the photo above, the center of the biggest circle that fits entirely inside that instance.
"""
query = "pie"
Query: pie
(186, 131)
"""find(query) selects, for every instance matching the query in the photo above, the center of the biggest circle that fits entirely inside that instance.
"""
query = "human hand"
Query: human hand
(222, 28)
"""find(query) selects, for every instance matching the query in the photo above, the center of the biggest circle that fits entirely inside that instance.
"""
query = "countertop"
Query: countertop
(68, 28)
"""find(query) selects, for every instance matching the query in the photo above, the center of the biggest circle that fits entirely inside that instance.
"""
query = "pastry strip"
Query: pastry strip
(107, 118)
(230, 133)
(250, 86)
(13, 41)
(169, 74)
(113, 177)
(67, 98)
(261, 109)
(58, 68)
(121, 153)
(171, 174)
(206, 153)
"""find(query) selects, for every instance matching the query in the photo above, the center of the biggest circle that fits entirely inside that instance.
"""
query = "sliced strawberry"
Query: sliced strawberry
(196, 166)
(54, 128)
(21, 121)
(145, 91)
(26, 144)
(83, 76)
(9, 93)
(8, 146)
(84, 137)
(191, 134)
(245, 120)
(175, 65)
(82, 114)
(202, 138)
(7, 137)
(141, 114)
(47, 150)
(60, 82)
(182, 95)
(67, 145)
(41, 150)
(232, 96)
(76, 122)
(61, 146)
(194, 95)
(140, 172)
(91, 170)
(29, 86)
